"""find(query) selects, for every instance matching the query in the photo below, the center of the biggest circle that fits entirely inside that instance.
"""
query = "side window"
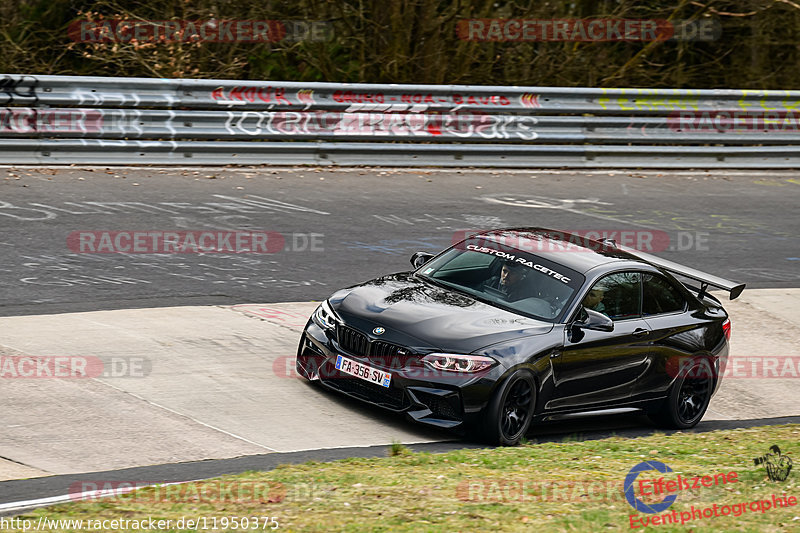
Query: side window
(617, 296)
(660, 296)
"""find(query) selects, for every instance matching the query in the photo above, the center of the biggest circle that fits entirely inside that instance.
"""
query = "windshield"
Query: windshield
(506, 277)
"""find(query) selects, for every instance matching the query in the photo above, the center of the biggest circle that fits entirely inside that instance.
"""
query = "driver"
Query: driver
(510, 281)
(594, 299)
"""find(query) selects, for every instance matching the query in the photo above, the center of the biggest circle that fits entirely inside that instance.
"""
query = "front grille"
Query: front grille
(383, 349)
(381, 353)
(387, 355)
(351, 340)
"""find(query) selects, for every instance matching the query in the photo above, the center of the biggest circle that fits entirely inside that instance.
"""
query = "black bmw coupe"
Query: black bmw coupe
(515, 326)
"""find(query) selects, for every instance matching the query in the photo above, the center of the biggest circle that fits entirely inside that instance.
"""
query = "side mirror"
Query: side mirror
(594, 320)
(420, 258)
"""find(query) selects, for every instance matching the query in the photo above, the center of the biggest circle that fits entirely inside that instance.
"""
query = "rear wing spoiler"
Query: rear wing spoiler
(734, 289)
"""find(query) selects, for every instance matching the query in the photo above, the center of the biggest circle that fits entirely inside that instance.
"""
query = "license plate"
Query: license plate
(360, 370)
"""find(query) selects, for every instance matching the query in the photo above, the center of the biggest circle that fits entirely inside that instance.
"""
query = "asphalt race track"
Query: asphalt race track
(343, 227)
(213, 332)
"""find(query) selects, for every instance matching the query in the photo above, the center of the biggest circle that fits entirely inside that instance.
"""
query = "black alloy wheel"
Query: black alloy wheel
(688, 398)
(509, 413)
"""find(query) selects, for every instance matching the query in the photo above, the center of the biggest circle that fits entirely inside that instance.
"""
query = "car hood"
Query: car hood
(421, 315)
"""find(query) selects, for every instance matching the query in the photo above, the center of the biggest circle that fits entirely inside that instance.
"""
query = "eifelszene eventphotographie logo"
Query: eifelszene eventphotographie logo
(778, 466)
(630, 493)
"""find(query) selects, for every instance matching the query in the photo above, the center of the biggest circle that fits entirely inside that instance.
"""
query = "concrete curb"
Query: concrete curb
(218, 387)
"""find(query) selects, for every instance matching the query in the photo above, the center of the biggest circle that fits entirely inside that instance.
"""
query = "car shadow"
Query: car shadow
(633, 426)
(625, 425)
(398, 420)
(598, 428)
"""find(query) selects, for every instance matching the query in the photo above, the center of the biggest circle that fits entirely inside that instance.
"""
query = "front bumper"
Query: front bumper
(440, 399)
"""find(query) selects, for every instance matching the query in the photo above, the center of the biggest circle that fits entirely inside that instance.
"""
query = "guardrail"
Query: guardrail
(93, 120)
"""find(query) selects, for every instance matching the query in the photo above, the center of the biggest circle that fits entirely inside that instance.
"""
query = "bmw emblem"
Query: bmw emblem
(378, 331)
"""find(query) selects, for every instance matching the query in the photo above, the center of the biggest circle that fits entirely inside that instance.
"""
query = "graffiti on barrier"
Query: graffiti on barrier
(14, 88)
(321, 123)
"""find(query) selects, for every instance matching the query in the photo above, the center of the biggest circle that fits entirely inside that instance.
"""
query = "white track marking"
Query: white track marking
(184, 415)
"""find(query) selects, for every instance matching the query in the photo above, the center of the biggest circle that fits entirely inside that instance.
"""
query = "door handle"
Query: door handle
(639, 332)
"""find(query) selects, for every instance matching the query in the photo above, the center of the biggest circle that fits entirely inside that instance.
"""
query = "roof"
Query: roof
(573, 251)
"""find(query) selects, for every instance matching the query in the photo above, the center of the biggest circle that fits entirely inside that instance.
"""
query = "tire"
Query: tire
(688, 398)
(508, 414)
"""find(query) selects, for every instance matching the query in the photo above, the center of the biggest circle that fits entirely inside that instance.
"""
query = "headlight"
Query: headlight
(458, 363)
(324, 316)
